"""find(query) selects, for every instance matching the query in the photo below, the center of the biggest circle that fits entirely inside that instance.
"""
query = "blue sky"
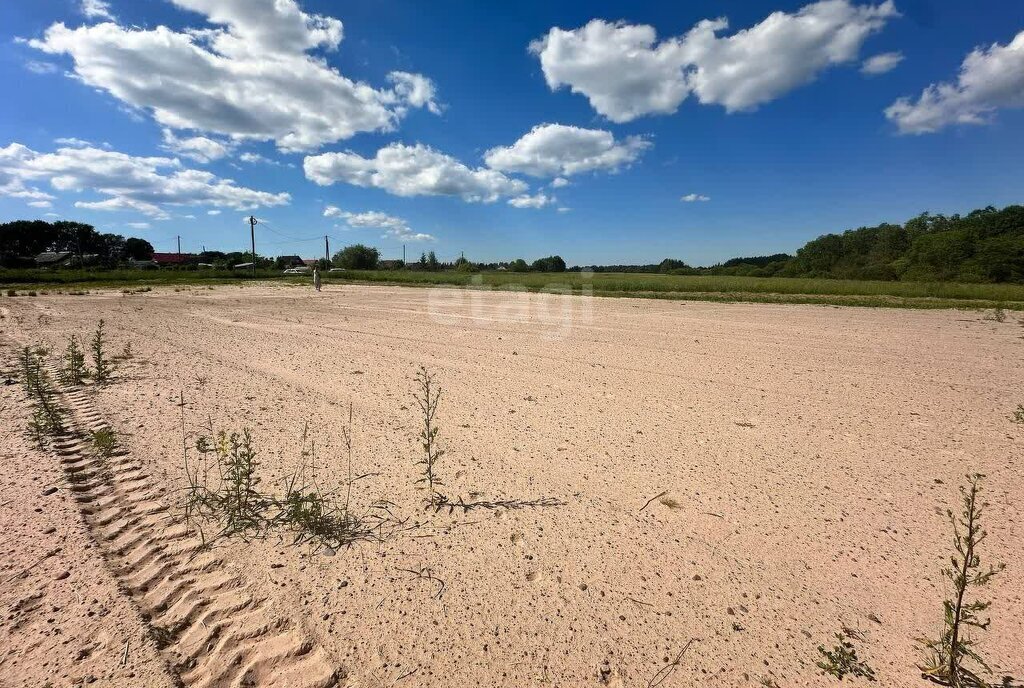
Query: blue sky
(389, 122)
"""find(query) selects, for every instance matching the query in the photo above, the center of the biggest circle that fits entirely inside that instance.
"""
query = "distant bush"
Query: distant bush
(357, 257)
(549, 264)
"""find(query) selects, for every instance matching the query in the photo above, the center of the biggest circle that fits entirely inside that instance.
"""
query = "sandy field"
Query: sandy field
(800, 460)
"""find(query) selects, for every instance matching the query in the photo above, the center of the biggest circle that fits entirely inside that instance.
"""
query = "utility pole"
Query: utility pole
(403, 254)
(252, 231)
(179, 245)
(327, 250)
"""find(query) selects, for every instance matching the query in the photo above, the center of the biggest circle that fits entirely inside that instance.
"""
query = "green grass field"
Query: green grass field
(685, 287)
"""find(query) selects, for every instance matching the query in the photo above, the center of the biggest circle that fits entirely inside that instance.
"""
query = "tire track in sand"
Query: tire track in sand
(211, 628)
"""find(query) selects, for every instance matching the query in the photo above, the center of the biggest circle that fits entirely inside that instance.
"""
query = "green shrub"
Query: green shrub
(73, 371)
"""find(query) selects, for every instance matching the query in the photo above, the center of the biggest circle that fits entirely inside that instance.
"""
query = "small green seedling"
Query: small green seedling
(842, 659)
(101, 366)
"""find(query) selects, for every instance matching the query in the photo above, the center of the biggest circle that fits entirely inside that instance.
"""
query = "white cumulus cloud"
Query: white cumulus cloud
(394, 227)
(256, 158)
(694, 198)
(548, 150)
(198, 148)
(989, 79)
(539, 200)
(882, 63)
(412, 171)
(416, 89)
(144, 184)
(626, 72)
(249, 74)
(96, 9)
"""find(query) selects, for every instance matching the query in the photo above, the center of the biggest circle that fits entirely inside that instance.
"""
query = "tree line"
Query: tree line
(362, 257)
(22, 240)
(986, 245)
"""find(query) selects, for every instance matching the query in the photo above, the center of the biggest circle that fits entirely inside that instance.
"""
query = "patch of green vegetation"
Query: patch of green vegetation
(104, 442)
(718, 288)
(842, 659)
(225, 487)
(81, 280)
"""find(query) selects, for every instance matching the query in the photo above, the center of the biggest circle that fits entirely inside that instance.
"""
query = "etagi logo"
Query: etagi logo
(552, 308)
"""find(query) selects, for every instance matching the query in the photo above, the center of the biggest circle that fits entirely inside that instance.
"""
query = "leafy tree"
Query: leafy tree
(999, 259)
(549, 264)
(670, 264)
(357, 257)
(939, 255)
(137, 249)
(433, 263)
(818, 257)
(519, 265)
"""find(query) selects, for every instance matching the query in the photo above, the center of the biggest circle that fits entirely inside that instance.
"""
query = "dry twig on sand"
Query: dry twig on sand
(648, 502)
(666, 671)
(428, 574)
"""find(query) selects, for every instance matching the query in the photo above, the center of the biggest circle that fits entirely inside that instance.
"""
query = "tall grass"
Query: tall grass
(608, 283)
(705, 287)
(33, 276)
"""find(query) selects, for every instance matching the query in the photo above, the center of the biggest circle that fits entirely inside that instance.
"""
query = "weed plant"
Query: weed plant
(73, 372)
(224, 486)
(842, 659)
(47, 419)
(101, 366)
(234, 500)
(104, 442)
(949, 658)
(428, 397)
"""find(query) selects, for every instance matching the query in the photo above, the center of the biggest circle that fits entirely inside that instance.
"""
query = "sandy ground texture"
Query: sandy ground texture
(800, 459)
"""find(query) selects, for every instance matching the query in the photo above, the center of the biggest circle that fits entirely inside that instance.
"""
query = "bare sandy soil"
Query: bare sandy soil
(806, 455)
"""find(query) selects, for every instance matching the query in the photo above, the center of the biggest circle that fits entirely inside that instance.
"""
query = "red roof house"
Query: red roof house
(175, 258)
